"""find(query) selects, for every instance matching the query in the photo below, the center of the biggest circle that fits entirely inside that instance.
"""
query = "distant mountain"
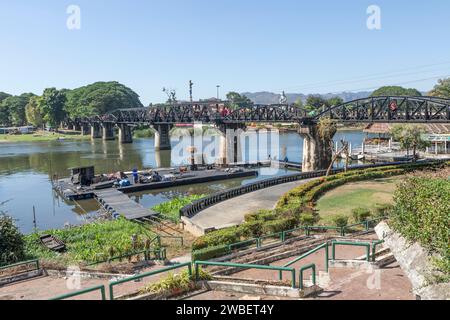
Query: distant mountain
(265, 97)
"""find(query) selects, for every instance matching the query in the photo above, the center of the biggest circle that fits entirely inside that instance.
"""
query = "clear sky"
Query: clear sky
(243, 45)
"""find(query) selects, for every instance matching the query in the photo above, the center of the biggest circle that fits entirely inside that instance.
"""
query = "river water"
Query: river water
(26, 170)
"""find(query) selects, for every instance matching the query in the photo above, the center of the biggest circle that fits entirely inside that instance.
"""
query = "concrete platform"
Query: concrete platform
(233, 211)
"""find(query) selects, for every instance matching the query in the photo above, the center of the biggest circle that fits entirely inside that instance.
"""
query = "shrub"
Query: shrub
(219, 237)
(307, 219)
(340, 220)
(360, 214)
(280, 225)
(175, 283)
(171, 209)
(210, 252)
(382, 210)
(12, 246)
(421, 214)
(251, 229)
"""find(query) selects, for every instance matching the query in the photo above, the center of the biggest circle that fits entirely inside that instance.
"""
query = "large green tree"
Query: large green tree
(3, 96)
(51, 105)
(395, 91)
(12, 109)
(33, 112)
(238, 101)
(442, 89)
(315, 103)
(410, 137)
(100, 98)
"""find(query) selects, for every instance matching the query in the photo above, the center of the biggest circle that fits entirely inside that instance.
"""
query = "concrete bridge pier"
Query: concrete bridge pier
(108, 131)
(230, 149)
(85, 129)
(162, 136)
(317, 152)
(125, 134)
(96, 131)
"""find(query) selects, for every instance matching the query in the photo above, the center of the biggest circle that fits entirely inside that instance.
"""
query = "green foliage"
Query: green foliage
(3, 96)
(275, 226)
(51, 106)
(210, 252)
(382, 210)
(11, 241)
(33, 112)
(421, 214)
(308, 219)
(12, 109)
(143, 133)
(340, 220)
(176, 283)
(395, 91)
(238, 101)
(220, 237)
(252, 229)
(92, 242)
(171, 209)
(410, 137)
(100, 98)
(360, 215)
(442, 89)
(327, 129)
(315, 103)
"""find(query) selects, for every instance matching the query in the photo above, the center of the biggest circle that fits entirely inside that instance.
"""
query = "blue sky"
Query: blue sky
(244, 45)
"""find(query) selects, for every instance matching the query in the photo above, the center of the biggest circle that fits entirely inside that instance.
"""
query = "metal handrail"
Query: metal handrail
(245, 266)
(147, 274)
(307, 254)
(81, 292)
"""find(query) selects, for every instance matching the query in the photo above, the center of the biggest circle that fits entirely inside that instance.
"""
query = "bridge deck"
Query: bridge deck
(117, 202)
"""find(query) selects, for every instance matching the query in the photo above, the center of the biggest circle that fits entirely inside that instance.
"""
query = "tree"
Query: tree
(442, 89)
(298, 103)
(3, 96)
(51, 105)
(11, 242)
(238, 101)
(315, 103)
(410, 137)
(335, 101)
(33, 112)
(12, 110)
(395, 91)
(171, 95)
(100, 98)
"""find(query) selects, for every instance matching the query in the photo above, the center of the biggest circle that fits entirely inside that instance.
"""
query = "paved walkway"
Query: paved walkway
(233, 211)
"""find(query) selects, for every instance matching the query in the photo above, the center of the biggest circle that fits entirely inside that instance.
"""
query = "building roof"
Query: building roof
(431, 128)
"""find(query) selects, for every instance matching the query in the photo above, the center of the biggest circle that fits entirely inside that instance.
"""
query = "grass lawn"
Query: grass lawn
(365, 194)
(41, 136)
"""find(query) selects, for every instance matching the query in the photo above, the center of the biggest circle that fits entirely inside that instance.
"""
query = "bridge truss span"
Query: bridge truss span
(391, 109)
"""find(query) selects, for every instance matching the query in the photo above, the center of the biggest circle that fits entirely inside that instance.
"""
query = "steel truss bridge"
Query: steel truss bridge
(387, 109)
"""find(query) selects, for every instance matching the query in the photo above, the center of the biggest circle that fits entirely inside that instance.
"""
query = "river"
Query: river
(26, 170)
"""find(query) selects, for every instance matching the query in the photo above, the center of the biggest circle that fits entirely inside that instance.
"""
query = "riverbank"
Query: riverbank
(42, 136)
